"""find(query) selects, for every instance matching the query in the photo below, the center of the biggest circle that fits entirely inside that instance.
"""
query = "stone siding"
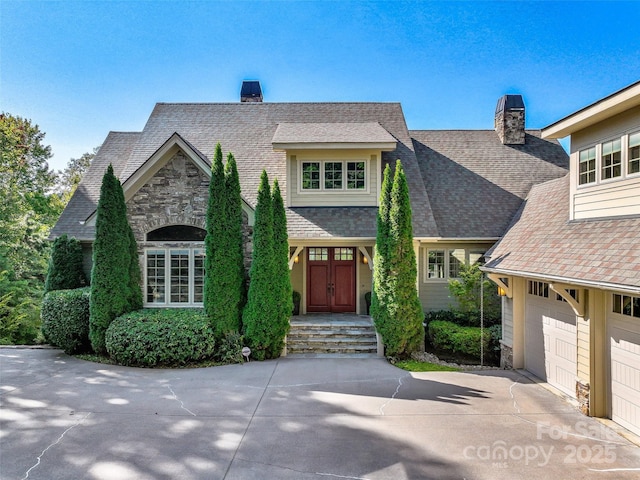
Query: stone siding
(506, 356)
(583, 394)
(510, 127)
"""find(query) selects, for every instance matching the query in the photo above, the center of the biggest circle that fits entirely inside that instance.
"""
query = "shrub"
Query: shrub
(457, 339)
(65, 319)
(160, 337)
(65, 265)
(466, 290)
(229, 349)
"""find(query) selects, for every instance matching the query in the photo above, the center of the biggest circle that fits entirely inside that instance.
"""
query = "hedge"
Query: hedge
(457, 339)
(160, 337)
(65, 319)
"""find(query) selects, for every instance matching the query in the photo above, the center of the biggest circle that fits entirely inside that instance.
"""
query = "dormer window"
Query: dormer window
(634, 153)
(611, 159)
(587, 166)
(330, 175)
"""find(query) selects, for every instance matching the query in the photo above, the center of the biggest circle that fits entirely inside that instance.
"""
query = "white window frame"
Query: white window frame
(447, 251)
(344, 189)
(192, 249)
(627, 148)
(618, 301)
(625, 140)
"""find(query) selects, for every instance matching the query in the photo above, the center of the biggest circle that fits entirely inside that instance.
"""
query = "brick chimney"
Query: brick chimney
(251, 91)
(509, 120)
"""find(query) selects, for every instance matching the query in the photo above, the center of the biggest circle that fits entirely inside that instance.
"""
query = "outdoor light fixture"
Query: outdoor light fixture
(364, 260)
(502, 292)
(297, 259)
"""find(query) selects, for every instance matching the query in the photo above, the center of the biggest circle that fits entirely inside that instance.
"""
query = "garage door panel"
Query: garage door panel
(624, 343)
(565, 350)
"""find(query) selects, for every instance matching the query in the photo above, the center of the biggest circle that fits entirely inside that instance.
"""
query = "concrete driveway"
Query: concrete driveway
(64, 418)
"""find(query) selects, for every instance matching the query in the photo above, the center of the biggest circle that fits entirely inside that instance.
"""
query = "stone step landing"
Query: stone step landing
(332, 335)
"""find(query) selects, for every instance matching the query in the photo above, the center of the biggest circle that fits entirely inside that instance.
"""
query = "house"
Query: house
(570, 266)
(465, 186)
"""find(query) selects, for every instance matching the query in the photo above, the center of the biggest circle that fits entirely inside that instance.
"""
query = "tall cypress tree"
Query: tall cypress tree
(281, 278)
(65, 265)
(135, 276)
(261, 311)
(380, 296)
(111, 272)
(404, 332)
(235, 290)
(215, 244)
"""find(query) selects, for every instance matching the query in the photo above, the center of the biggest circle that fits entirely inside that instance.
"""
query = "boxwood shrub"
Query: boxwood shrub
(65, 319)
(457, 339)
(160, 337)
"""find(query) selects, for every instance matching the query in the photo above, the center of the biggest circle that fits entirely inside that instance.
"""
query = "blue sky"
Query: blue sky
(82, 68)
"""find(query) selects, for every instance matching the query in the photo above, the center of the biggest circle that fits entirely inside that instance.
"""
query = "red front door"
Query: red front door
(331, 279)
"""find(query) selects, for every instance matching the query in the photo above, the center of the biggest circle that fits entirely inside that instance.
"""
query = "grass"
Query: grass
(416, 366)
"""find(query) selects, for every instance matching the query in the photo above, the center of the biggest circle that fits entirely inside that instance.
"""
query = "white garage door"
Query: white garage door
(550, 342)
(624, 348)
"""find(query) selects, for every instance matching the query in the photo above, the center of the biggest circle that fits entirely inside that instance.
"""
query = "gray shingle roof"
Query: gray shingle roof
(475, 183)
(542, 241)
(247, 130)
(369, 132)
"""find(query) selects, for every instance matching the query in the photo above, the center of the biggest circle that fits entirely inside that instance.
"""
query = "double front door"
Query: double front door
(331, 279)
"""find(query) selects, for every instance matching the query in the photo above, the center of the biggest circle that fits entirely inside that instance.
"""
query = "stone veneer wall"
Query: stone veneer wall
(506, 356)
(510, 127)
(176, 195)
(583, 395)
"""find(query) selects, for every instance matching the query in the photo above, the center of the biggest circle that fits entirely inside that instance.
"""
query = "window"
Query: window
(626, 305)
(587, 169)
(611, 159)
(572, 293)
(446, 263)
(634, 153)
(311, 175)
(343, 253)
(318, 254)
(174, 276)
(330, 175)
(355, 175)
(538, 289)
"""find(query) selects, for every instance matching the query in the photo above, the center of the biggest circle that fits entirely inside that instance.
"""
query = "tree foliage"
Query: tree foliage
(398, 316)
(379, 294)
(28, 210)
(224, 271)
(467, 292)
(69, 178)
(261, 312)
(281, 279)
(113, 288)
(65, 265)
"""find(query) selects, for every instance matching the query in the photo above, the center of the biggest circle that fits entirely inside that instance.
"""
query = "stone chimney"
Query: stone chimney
(509, 120)
(251, 91)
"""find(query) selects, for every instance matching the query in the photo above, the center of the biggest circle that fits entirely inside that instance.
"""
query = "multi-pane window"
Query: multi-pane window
(318, 254)
(311, 175)
(572, 292)
(343, 253)
(626, 305)
(174, 276)
(538, 289)
(611, 159)
(634, 153)
(587, 166)
(333, 175)
(456, 259)
(355, 175)
(436, 263)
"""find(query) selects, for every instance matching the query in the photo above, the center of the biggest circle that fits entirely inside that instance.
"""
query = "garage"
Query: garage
(624, 351)
(550, 339)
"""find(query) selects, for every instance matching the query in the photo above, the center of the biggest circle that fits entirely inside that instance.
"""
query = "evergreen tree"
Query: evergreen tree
(65, 265)
(406, 310)
(261, 311)
(381, 278)
(111, 273)
(281, 279)
(135, 275)
(224, 271)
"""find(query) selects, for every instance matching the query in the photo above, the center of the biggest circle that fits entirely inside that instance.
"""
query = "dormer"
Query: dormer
(605, 156)
(333, 164)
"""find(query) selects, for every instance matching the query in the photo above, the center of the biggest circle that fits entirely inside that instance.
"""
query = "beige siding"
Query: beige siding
(610, 199)
(297, 277)
(583, 348)
(507, 321)
(336, 198)
(365, 278)
(435, 296)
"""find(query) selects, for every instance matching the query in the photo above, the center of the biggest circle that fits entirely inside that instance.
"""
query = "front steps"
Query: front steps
(324, 335)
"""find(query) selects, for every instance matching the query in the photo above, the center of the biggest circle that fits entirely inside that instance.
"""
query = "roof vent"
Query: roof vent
(251, 91)
(509, 120)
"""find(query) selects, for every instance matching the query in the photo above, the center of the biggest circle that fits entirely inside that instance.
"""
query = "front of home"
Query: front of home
(464, 186)
(570, 266)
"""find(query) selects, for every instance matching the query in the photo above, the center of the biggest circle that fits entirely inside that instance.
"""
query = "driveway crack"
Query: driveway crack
(382, 407)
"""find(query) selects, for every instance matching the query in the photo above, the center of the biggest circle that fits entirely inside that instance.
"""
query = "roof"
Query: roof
(247, 130)
(365, 133)
(543, 243)
(475, 183)
(604, 108)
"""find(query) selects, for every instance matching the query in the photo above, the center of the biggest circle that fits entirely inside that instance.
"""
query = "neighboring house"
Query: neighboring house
(570, 266)
(465, 186)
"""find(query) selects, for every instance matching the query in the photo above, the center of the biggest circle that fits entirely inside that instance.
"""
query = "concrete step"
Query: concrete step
(341, 338)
